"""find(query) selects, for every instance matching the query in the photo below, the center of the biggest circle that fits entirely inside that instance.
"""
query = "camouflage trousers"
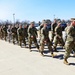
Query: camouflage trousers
(69, 46)
(21, 40)
(48, 42)
(5, 36)
(14, 38)
(0, 35)
(9, 37)
(58, 40)
(52, 36)
(35, 42)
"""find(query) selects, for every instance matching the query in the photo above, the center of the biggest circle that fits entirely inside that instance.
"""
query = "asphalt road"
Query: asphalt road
(15, 60)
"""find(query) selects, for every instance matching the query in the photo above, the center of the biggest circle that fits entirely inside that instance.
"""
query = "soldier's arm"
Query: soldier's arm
(42, 32)
(29, 31)
(56, 30)
(8, 31)
(36, 32)
(69, 30)
(18, 31)
(52, 27)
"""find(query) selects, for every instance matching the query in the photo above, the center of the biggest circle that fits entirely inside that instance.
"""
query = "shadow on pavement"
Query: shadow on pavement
(34, 50)
(72, 64)
(59, 56)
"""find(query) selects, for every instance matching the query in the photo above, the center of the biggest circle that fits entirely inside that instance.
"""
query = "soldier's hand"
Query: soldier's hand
(59, 37)
(12, 33)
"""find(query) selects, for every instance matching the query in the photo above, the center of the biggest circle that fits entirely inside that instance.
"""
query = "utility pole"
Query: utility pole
(14, 18)
(54, 16)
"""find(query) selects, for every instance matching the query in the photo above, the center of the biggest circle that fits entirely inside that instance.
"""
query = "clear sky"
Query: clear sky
(35, 10)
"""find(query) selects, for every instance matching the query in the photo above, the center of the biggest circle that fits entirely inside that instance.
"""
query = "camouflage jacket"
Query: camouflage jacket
(44, 33)
(53, 26)
(71, 33)
(32, 31)
(58, 30)
(14, 30)
(25, 33)
(20, 31)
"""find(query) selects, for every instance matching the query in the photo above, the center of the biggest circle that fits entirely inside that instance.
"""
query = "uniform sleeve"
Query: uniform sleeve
(56, 29)
(18, 31)
(52, 27)
(42, 31)
(36, 31)
(69, 30)
(29, 31)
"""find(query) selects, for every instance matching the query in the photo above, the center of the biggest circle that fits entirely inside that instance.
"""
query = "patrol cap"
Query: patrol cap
(43, 21)
(20, 25)
(59, 22)
(32, 22)
(72, 19)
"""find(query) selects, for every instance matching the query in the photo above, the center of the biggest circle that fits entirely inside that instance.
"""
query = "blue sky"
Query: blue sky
(36, 10)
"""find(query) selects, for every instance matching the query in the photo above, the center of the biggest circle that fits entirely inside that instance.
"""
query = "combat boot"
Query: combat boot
(14, 42)
(55, 50)
(66, 62)
(38, 49)
(52, 55)
(42, 53)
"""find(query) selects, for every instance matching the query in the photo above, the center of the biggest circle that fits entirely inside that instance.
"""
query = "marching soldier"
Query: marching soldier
(20, 35)
(58, 36)
(25, 34)
(70, 41)
(2, 32)
(32, 34)
(9, 33)
(66, 30)
(53, 26)
(5, 32)
(14, 34)
(45, 39)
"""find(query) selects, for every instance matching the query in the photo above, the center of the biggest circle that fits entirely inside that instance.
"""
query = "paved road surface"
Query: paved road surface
(19, 61)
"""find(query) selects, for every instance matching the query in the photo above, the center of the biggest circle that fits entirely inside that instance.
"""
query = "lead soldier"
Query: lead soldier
(70, 41)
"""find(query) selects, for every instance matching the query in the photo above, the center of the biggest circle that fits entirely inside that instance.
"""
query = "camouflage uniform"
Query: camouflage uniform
(14, 34)
(53, 26)
(32, 34)
(25, 34)
(66, 29)
(45, 39)
(20, 35)
(2, 32)
(58, 37)
(9, 33)
(5, 32)
(70, 42)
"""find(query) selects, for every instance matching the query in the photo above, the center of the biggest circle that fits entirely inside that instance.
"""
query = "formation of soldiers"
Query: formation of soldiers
(27, 34)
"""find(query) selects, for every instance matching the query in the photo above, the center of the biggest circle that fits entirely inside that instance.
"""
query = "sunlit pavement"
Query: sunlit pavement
(15, 60)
